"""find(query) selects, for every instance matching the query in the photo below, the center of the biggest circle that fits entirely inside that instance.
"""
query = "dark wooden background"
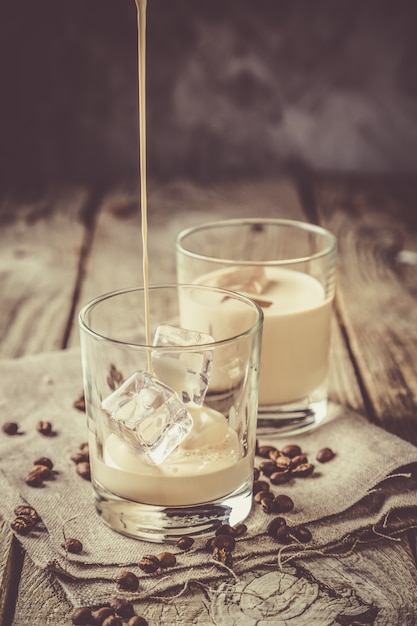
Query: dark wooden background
(235, 87)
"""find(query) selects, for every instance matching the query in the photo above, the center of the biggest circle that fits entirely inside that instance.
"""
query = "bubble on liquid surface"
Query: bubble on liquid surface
(186, 371)
(149, 416)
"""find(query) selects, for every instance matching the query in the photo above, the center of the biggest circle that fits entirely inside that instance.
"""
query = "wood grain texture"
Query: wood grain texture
(376, 228)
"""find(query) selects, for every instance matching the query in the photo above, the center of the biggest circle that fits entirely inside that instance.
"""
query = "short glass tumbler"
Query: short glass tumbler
(288, 267)
(171, 390)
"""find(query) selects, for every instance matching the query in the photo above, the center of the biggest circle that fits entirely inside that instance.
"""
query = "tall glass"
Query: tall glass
(288, 268)
(172, 422)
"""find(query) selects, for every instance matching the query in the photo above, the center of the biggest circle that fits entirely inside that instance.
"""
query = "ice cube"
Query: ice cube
(251, 280)
(188, 372)
(148, 415)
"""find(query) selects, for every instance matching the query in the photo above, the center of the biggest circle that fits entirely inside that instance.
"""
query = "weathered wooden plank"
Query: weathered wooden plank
(40, 246)
(376, 226)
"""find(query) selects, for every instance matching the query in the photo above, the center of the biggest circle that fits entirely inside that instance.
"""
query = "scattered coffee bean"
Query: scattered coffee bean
(283, 462)
(128, 581)
(282, 504)
(43, 460)
(291, 450)
(112, 620)
(209, 546)
(264, 451)
(149, 563)
(267, 505)
(279, 478)
(223, 556)
(43, 471)
(225, 529)
(80, 457)
(28, 512)
(185, 543)
(263, 495)
(167, 559)
(22, 525)
(83, 469)
(274, 525)
(256, 473)
(44, 428)
(260, 485)
(79, 403)
(73, 545)
(267, 468)
(226, 542)
(240, 530)
(10, 428)
(283, 535)
(34, 479)
(82, 616)
(325, 455)
(137, 620)
(301, 533)
(122, 607)
(303, 470)
(299, 460)
(99, 615)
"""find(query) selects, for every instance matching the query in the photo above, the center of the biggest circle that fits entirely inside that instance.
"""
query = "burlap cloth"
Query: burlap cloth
(368, 491)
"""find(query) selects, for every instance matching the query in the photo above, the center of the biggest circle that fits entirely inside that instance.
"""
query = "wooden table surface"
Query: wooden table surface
(60, 246)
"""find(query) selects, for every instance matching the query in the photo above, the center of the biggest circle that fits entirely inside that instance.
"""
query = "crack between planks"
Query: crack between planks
(89, 217)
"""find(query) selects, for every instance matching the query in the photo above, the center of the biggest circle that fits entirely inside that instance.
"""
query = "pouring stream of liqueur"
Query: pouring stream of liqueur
(141, 16)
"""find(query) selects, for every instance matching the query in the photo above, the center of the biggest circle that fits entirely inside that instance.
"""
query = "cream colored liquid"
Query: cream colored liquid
(296, 333)
(206, 465)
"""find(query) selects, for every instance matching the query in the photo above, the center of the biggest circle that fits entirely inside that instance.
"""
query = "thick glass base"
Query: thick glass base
(291, 419)
(168, 524)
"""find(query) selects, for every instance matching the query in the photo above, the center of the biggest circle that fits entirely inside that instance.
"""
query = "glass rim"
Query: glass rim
(327, 250)
(89, 306)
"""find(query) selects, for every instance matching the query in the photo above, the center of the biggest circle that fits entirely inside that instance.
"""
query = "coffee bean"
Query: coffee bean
(80, 457)
(225, 529)
(223, 556)
(28, 512)
(227, 542)
(240, 530)
(274, 525)
(128, 581)
(291, 450)
(149, 563)
(79, 403)
(83, 469)
(279, 478)
(256, 473)
(282, 504)
(303, 470)
(264, 451)
(263, 495)
(137, 620)
(302, 534)
(185, 543)
(209, 546)
(43, 471)
(82, 616)
(43, 460)
(267, 505)
(112, 620)
(260, 485)
(167, 559)
(122, 607)
(33, 479)
(267, 468)
(73, 545)
(283, 535)
(299, 460)
(44, 428)
(283, 462)
(325, 455)
(22, 525)
(101, 614)
(10, 428)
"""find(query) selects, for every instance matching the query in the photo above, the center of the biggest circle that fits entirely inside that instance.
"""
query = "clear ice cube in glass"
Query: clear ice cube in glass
(188, 372)
(149, 416)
